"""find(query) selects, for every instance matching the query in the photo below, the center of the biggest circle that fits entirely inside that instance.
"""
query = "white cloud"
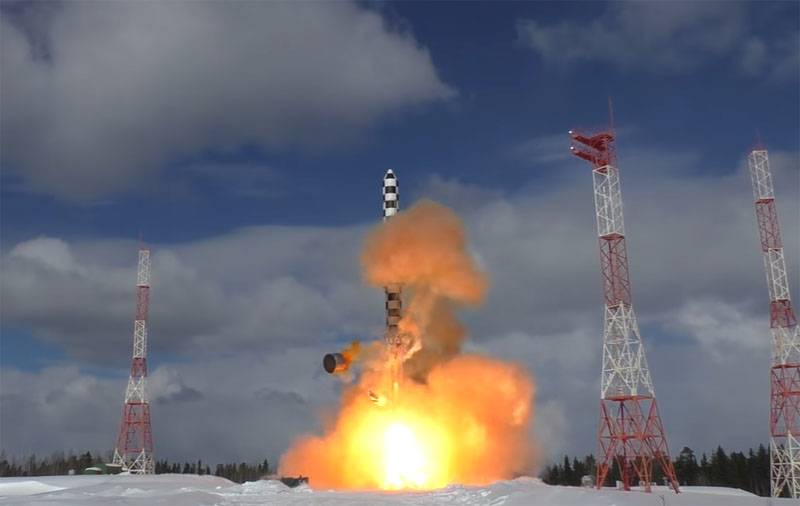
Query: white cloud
(97, 96)
(250, 312)
(57, 408)
(719, 325)
(229, 409)
(262, 287)
(666, 38)
(51, 253)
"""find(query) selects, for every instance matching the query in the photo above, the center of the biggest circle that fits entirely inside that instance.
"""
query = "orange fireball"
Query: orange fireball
(439, 416)
(468, 424)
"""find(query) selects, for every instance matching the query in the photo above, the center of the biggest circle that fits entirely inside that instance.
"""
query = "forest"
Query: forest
(745, 470)
(60, 463)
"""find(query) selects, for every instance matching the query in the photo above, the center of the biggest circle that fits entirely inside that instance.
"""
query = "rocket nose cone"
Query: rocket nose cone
(389, 174)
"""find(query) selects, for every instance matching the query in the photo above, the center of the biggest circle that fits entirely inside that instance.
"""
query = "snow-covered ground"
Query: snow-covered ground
(191, 490)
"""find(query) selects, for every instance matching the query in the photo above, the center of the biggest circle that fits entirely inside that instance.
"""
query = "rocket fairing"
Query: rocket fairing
(335, 362)
(339, 362)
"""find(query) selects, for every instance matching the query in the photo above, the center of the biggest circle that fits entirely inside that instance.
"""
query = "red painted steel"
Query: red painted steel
(630, 430)
(134, 446)
(614, 268)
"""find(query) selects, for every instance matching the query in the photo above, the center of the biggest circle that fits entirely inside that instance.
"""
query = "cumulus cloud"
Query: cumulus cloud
(262, 287)
(253, 310)
(99, 96)
(666, 38)
(717, 325)
(57, 408)
(230, 409)
(167, 386)
(50, 253)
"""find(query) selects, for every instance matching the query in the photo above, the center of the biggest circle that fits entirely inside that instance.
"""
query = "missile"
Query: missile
(391, 204)
(339, 362)
(335, 363)
(394, 303)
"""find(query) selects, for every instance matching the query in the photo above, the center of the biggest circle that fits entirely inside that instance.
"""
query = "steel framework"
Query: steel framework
(784, 419)
(630, 430)
(134, 449)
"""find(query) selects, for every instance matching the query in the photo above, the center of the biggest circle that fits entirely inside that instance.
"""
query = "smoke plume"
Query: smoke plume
(456, 418)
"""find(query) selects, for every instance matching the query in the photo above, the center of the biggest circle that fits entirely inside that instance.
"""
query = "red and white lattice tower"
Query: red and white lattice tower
(630, 430)
(134, 449)
(784, 419)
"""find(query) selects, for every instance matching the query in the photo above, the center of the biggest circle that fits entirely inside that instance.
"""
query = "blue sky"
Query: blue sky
(223, 151)
(506, 95)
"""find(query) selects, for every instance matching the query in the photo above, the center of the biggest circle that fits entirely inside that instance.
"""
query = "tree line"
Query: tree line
(238, 473)
(60, 463)
(747, 471)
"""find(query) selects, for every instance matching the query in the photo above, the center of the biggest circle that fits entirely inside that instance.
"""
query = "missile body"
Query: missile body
(394, 305)
(335, 363)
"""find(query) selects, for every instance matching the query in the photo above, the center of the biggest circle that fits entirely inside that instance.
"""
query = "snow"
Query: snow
(191, 490)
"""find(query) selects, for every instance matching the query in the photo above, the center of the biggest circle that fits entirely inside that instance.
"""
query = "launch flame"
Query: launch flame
(457, 418)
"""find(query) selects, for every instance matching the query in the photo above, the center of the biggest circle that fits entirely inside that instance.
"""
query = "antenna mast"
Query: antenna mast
(630, 431)
(134, 449)
(784, 419)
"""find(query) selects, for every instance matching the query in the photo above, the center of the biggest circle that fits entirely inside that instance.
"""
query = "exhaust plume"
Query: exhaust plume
(456, 418)
(425, 250)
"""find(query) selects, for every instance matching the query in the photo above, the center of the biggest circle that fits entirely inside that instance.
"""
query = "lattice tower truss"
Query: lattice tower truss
(630, 431)
(784, 419)
(134, 449)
